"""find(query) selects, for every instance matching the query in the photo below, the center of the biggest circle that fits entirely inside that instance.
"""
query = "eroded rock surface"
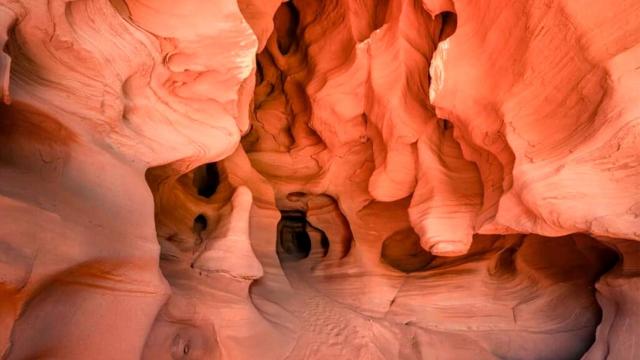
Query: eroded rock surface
(377, 179)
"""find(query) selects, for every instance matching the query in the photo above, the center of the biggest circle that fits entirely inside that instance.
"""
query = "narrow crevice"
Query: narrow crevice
(444, 125)
(324, 242)
(324, 239)
(379, 16)
(293, 241)
(200, 224)
(612, 259)
(286, 22)
(282, 86)
(206, 179)
(259, 73)
(449, 24)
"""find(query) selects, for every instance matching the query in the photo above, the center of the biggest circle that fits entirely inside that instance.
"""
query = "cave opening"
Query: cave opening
(206, 179)
(402, 251)
(200, 224)
(293, 241)
(286, 21)
(449, 24)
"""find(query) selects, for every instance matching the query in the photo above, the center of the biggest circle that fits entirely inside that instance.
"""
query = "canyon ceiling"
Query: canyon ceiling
(320, 179)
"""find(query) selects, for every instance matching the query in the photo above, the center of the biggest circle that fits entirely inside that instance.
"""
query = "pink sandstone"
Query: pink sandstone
(318, 179)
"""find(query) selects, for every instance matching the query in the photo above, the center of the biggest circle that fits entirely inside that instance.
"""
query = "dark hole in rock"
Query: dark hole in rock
(324, 242)
(324, 239)
(402, 251)
(444, 124)
(200, 224)
(259, 73)
(286, 22)
(293, 240)
(449, 24)
(206, 179)
(380, 14)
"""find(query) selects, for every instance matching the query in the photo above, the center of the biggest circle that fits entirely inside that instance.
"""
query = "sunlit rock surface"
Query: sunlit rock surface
(317, 179)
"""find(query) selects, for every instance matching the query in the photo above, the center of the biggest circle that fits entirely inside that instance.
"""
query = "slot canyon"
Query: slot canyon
(320, 179)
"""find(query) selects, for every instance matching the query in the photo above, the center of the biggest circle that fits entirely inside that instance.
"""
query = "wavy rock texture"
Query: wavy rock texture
(349, 179)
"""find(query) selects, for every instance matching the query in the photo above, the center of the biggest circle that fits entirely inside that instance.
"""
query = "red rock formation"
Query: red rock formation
(376, 179)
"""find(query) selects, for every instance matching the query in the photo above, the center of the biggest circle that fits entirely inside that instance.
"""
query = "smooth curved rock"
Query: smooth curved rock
(348, 179)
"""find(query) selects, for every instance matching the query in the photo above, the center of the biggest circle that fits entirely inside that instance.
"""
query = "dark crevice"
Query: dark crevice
(293, 241)
(402, 251)
(206, 179)
(286, 22)
(324, 239)
(380, 14)
(444, 124)
(347, 246)
(200, 224)
(278, 82)
(324, 242)
(449, 24)
(259, 73)
(611, 259)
